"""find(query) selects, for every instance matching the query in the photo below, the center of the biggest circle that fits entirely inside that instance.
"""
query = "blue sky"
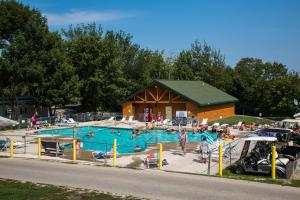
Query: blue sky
(266, 29)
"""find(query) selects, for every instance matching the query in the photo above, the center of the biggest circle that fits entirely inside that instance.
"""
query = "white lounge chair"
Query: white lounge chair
(111, 119)
(130, 120)
(71, 121)
(237, 126)
(123, 119)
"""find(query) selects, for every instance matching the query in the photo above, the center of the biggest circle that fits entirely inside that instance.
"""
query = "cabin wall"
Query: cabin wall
(216, 112)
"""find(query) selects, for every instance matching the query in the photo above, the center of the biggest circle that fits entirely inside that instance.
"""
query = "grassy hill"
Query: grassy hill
(243, 118)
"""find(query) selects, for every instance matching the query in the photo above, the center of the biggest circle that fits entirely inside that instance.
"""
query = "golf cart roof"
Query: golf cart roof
(267, 139)
(275, 130)
(292, 120)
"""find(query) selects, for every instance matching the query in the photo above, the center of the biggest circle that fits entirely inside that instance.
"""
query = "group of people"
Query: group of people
(113, 132)
(252, 127)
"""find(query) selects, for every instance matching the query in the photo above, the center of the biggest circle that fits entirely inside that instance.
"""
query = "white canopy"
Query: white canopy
(7, 122)
(267, 139)
(297, 115)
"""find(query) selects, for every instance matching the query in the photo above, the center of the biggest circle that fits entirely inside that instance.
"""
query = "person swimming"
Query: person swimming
(133, 135)
(119, 133)
(137, 148)
(90, 134)
(112, 131)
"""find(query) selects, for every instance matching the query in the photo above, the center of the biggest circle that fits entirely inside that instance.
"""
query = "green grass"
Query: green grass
(229, 173)
(15, 190)
(243, 118)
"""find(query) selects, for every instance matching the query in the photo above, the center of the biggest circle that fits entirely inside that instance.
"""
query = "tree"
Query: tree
(266, 88)
(32, 59)
(109, 65)
(202, 62)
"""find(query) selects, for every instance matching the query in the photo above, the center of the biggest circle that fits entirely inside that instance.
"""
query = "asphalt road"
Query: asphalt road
(141, 183)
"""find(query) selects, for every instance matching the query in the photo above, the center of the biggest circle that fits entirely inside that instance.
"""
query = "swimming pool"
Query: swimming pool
(103, 138)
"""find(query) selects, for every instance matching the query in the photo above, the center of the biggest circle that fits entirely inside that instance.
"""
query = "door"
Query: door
(169, 112)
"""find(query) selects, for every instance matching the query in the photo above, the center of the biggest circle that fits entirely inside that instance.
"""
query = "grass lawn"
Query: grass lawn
(15, 190)
(229, 173)
(243, 118)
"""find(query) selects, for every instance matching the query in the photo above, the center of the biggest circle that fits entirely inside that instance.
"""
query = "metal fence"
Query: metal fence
(230, 153)
(78, 117)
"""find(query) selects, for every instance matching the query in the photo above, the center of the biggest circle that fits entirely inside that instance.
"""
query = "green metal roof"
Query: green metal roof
(198, 92)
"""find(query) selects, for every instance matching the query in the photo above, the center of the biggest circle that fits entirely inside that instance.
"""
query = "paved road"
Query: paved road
(140, 183)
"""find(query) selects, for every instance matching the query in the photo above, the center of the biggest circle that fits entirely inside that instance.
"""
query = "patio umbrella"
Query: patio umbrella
(7, 122)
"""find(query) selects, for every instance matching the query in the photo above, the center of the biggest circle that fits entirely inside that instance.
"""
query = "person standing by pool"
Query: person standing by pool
(182, 140)
(204, 150)
(33, 120)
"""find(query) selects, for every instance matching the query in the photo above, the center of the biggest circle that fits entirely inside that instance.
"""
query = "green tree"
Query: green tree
(202, 62)
(32, 59)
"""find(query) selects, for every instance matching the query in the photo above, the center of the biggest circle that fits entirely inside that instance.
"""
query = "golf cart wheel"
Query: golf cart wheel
(239, 170)
(279, 174)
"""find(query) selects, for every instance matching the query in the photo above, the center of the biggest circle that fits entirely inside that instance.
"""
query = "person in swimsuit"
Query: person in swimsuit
(182, 140)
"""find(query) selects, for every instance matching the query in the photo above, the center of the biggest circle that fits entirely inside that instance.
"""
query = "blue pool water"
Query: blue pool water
(103, 138)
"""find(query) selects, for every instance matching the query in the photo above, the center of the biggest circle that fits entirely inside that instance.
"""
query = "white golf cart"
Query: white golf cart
(259, 159)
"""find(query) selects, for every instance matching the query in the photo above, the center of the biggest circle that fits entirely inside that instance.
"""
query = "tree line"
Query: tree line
(99, 69)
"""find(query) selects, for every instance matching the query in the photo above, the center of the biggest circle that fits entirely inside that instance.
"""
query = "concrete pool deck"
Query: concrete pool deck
(177, 162)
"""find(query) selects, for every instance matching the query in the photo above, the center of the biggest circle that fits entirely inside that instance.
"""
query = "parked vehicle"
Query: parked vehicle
(259, 159)
(284, 136)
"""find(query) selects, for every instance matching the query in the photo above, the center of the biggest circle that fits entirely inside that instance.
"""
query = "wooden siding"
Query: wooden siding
(157, 98)
(216, 112)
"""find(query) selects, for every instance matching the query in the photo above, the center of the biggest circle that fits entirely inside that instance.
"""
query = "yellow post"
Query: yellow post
(220, 160)
(115, 153)
(74, 150)
(274, 162)
(160, 156)
(11, 147)
(39, 148)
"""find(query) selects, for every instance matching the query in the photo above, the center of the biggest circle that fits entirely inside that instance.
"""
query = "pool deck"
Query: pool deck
(177, 161)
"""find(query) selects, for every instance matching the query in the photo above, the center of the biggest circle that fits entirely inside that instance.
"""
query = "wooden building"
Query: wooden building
(166, 98)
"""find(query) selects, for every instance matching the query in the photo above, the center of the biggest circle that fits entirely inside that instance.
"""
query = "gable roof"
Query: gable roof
(198, 92)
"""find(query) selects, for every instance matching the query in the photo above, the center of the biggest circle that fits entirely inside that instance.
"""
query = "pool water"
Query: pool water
(103, 138)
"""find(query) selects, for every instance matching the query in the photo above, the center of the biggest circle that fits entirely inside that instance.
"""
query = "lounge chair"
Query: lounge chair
(98, 155)
(52, 147)
(71, 121)
(4, 144)
(130, 120)
(237, 126)
(152, 159)
(123, 119)
(167, 122)
(111, 119)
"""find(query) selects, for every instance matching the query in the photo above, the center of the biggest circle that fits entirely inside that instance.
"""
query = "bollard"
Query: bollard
(39, 148)
(220, 160)
(11, 147)
(273, 162)
(160, 156)
(74, 150)
(115, 153)
(209, 163)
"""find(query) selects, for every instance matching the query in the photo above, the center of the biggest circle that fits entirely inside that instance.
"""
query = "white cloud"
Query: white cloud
(75, 17)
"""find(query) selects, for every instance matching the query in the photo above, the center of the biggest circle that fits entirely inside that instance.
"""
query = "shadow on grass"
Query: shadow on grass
(229, 172)
(10, 189)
